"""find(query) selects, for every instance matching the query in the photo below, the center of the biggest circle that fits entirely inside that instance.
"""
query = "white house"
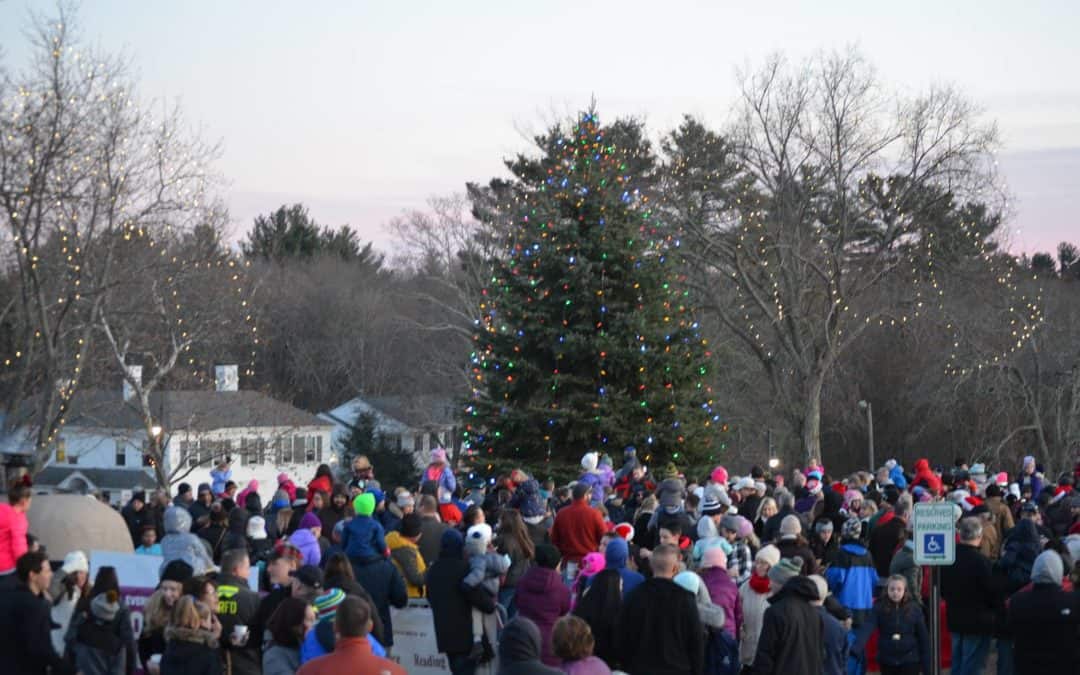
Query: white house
(101, 445)
(415, 423)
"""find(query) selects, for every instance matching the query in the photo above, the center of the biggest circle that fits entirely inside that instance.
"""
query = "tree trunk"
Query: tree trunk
(811, 422)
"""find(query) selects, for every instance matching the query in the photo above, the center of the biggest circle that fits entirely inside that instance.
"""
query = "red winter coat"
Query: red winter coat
(13, 528)
(577, 530)
(321, 483)
(925, 477)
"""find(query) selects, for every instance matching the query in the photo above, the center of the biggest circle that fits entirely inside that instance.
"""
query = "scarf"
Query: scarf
(759, 585)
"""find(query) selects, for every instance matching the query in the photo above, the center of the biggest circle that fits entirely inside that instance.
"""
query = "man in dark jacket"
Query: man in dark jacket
(452, 603)
(973, 596)
(25, 624)
(792, 638)
(237, 606)
(200, 508)
(431, 529)
(136, 516)
(1045, 621)
(661, 631)
(382, 580)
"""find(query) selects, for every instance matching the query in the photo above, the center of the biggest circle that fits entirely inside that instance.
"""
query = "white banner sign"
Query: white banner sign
(415, 648)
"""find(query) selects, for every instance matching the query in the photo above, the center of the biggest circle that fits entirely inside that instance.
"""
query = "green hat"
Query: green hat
(364, 504)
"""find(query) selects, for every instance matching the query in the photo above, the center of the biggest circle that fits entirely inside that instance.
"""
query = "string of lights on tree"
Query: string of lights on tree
(183, 194)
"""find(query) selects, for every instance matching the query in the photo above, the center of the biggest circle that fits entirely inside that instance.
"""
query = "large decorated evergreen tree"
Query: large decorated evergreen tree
(588, 338)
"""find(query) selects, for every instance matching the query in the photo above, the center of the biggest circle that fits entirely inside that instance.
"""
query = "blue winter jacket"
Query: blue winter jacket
(363, 539)
(320, 642)
(616, 555)
(852, 580)
(896, 475)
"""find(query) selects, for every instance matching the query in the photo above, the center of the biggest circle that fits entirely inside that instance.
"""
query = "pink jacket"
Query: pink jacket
(13, 528)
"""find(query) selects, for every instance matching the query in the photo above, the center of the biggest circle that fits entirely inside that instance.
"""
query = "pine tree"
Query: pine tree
(587, 338)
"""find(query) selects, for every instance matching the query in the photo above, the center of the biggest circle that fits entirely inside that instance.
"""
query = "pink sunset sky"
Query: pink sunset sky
(364, 109)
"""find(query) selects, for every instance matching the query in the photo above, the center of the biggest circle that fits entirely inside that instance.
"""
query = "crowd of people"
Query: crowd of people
(644, 572)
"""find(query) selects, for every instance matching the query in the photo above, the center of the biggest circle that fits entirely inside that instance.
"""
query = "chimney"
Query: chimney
(135, 373)
(226, 378)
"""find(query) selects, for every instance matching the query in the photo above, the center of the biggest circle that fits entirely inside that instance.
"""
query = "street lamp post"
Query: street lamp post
(869, 409)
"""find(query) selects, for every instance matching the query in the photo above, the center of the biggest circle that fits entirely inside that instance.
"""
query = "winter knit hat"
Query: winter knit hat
(822, 586)
(106, 605)
(283, 477)
(744, 528)
(1029, 461)
(477, 538)
(671, 471)
(624, 530)
(326, 605)
(823, 525)
(852, 496)
(309, 521)
(689, 581)
(256, 527)
(711, 506)
(364, 504)
(592, 564)
(852, 529)
(978, 469)
(527, 500)
(438, 456)
(719, 475)
(75, 562)
(177, 570)
(378, 494)
(790, 527)
(1048, 569)
(769, 554)
(1002, 479)
(589, 461)
(785, 570)
(729, 522)
(714, 556)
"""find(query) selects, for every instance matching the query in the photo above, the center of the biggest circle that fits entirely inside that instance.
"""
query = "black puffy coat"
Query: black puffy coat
(903, 636)
(791, 640)
(1046, 630)
(973, 595)
(451, 604)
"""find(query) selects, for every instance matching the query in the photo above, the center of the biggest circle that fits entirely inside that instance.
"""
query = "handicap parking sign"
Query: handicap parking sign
(935, 534)
(934, 545)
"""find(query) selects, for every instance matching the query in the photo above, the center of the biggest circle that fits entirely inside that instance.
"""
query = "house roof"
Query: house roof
(416, 412)
(185, 410)
(123, 479)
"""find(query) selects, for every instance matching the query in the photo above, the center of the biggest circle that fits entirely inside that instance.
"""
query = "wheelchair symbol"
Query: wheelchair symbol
(934, 544)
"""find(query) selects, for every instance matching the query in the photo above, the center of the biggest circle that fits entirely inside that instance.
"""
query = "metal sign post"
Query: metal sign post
(935, 545)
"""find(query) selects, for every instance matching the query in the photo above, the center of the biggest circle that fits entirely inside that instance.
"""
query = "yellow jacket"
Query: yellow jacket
(406, 557)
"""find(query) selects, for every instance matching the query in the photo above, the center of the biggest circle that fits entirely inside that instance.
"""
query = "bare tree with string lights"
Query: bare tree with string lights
(84, 167)
(831, 206)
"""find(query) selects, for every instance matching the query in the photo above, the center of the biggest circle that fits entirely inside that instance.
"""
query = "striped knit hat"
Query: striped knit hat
(326, 604)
